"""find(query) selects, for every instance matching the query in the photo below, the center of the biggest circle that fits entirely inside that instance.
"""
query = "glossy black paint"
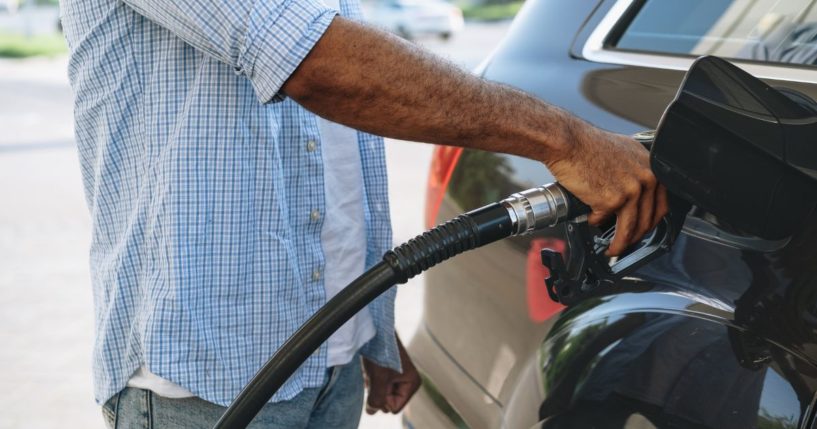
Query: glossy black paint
(719, 333)
(723, 338)
(730, 144)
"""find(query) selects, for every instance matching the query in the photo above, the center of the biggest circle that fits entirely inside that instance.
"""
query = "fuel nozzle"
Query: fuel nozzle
(585, 271)
(519, 214)
(542, 207)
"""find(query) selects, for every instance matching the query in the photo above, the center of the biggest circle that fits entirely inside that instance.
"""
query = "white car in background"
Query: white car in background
(9, 6)
(413, 18)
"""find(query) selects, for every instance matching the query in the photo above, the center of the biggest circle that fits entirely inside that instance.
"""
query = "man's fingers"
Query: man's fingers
(625, 227)
(372, 410)
(377, 396)
(375, 405)
(661, 203)
(396, 402)
(602, 212)
(646, 209)
(597, 218)
(400, 395)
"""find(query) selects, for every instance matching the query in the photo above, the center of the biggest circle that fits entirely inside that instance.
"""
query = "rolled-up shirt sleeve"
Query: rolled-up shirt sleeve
(264, 40)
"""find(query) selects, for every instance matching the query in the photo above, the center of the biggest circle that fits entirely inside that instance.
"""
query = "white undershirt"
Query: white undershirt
(343, 238)
(343, 235)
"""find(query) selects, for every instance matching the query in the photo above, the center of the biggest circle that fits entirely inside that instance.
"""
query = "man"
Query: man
(225, 213)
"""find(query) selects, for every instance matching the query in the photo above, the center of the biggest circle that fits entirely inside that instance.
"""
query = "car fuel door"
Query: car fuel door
(737, 150)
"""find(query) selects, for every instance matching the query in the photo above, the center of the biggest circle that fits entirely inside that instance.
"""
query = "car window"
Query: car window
(775, 31)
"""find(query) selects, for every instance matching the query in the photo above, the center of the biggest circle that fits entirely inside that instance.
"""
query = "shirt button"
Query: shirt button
(311, 146)
(315, 215)
(316, 275)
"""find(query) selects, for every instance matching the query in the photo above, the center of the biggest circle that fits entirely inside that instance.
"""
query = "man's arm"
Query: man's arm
(389, 390)
(373, 81)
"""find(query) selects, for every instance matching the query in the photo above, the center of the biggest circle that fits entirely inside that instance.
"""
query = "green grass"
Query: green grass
(19, 46)
(492, 12)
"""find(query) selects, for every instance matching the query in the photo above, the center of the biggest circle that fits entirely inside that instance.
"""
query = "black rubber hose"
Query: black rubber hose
(304, 342)
(465, 232)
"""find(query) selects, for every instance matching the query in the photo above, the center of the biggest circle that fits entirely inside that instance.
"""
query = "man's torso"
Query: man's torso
(204, 253)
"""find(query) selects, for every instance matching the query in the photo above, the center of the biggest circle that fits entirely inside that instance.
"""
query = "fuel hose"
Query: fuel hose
(519, 214)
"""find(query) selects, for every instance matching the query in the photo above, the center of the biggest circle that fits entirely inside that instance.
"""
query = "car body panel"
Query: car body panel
(647, 368)
(752, 299)
(451, 395)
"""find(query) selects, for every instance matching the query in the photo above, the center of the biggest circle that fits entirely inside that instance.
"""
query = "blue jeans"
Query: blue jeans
(337, 404)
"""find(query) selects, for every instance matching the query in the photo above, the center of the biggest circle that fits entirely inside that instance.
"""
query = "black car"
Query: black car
(718, 333)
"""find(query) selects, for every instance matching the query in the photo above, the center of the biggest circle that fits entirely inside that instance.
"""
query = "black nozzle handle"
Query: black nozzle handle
(575, 206)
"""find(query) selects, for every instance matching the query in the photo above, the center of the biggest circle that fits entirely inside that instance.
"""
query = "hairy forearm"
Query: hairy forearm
(373, 81)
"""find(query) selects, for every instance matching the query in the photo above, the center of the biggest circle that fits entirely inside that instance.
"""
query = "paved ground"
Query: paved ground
(46, 324)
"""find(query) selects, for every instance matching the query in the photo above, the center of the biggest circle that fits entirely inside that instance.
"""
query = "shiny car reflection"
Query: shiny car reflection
(720, 333)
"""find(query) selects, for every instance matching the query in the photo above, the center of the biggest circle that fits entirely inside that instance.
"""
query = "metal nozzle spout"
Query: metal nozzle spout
(537, 208)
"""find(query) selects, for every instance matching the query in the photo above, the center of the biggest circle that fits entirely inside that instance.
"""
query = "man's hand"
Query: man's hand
(389, 390)
(611, 173)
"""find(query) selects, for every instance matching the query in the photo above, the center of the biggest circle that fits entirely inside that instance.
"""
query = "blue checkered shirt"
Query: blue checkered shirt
(201, 178)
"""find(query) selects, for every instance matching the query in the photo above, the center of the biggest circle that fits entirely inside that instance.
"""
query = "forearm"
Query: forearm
(373, 81)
